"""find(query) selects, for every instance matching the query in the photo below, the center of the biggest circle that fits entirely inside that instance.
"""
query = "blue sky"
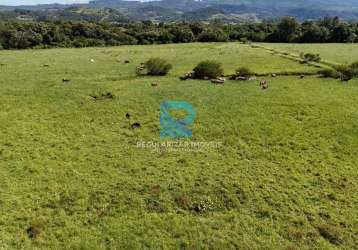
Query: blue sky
(31, 2)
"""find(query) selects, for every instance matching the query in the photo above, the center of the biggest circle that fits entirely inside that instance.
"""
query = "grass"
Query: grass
(348, 53)
(74, 178)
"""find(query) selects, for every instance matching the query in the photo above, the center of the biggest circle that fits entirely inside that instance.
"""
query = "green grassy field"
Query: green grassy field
(73, 177)
(333, 53)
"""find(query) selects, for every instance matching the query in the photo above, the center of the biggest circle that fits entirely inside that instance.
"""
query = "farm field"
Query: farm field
(73, 176)
(346, 54)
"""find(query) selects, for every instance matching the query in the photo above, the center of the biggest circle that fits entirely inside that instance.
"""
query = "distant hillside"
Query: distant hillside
(226, 10)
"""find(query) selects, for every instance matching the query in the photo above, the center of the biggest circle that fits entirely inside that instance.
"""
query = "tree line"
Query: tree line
(23, 35)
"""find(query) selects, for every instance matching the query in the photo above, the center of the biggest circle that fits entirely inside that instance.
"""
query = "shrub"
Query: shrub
(244, 72)
(213, 35)
(309, 57)
(346, 72)
(157, 67)
(354, 67)
(245, 40)
(208, 69)
(329, 73)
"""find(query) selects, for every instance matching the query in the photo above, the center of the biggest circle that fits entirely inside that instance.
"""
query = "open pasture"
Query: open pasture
(333, 53)
(73, 176)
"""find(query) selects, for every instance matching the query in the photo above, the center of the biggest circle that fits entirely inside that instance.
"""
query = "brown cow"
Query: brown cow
(264, 84)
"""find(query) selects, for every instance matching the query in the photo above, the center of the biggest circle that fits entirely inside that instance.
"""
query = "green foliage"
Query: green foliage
(346, 71)
(157, 67)
(314, 33)
(329, 73)
(354, 65)
(213, 35)
(244, 72)
(244, 40)
(208, 69)
(182, 34)
(287, 30)
(347, 54)
(82, 33)
(309, 57)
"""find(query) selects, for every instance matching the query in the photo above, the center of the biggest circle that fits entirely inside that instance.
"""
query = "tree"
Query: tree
(288, 29)
(213, 35)
(182, 34)
(342, 33)
(312, 33)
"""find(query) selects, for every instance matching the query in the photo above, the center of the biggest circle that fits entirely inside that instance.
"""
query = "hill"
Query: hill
(178, 10)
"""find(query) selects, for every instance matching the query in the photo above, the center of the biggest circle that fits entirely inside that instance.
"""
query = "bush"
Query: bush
(245, 40)
(329, 73)
(208, 69)
(213, 35)
(157, 67)
(244, 72)
(309, 57)
(354, 67)
(346, 72)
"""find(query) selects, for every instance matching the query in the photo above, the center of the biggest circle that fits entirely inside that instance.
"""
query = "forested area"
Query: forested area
(16, 34)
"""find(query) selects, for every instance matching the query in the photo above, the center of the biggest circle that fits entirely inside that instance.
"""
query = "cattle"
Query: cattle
(219, 80)
(136, 125)
(264, 84)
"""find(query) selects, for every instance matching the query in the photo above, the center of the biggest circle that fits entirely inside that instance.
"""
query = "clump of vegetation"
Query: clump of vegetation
(330, 233)
(34, 230)
(343, 72)
(244, 72)
(310, 57)
(154, 67)
(244, 40)
(295, 234)
(346, 72)
(155, 205)
(354, 67)
(183, 201)
(329, 73)
(208, 70)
